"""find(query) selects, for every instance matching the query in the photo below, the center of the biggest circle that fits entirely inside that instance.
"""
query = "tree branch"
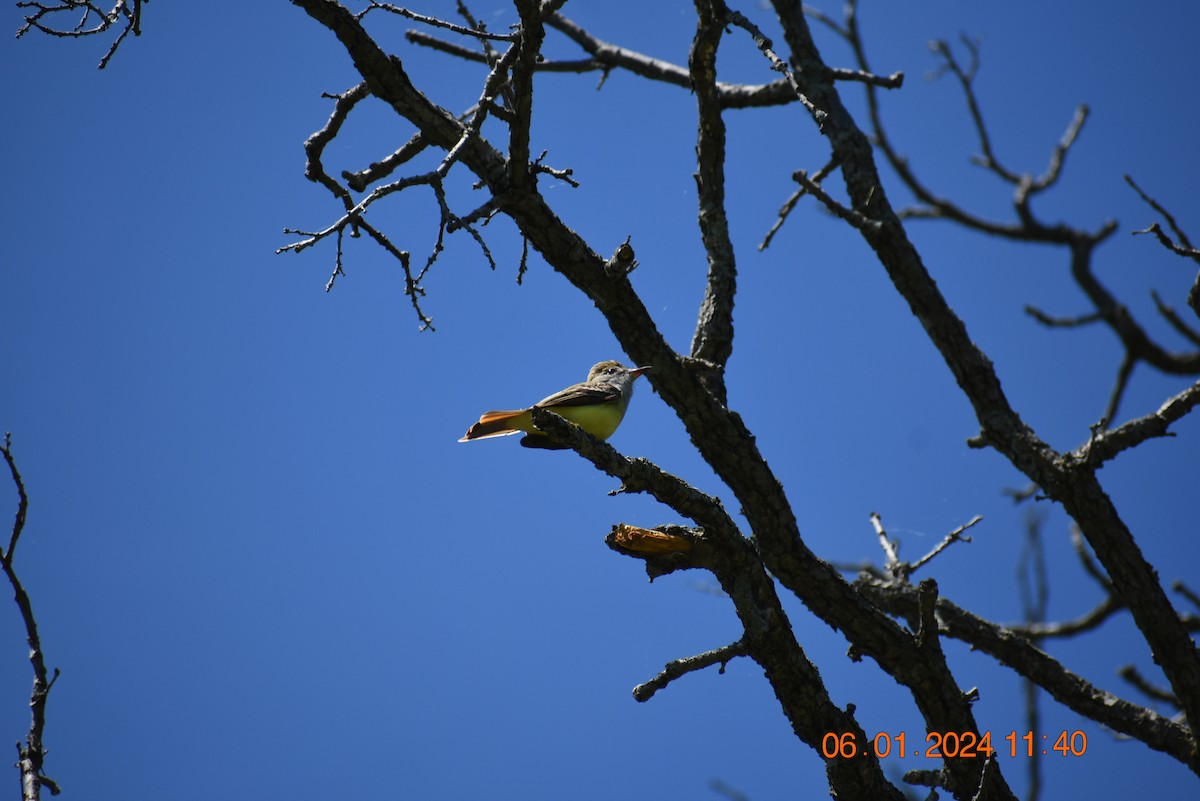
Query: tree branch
(1077, 489)
(712, 342)
(104, 20)
(30, 755)
(768, 636)
(1107, 445)
(681, 667)
(1184, 248)
(727, 445)
(1017, 652)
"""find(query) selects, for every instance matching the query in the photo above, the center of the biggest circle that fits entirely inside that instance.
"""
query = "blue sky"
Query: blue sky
(266, 568)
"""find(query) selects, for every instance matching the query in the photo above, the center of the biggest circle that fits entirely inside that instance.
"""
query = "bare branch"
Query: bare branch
(1031, 569)
(893, 81)
(337, 263)
(354, 217)
(712, 341)
(640, 475)
(1058, 155)
(1177, 322)
(524, 57)
(359, 181)
(1069, 689)
(1035, 627)
(768, 636)
(766, 47)
(87, 11)
(1073, 484)
(901, 570)
(1186, 592)
(789, 204)
(607, 56)
(932, 206)
(314, 146)
(1088, 621)
(412, 284)
(1087, 561)
(562, 175)
(951, 538)
(437, 23)
(1132, 675)
(1109, 444)
(719, 432)
(892, 563)
(1185, 248)
(31, 754)
(851, 216)
(681, 667)
(828, 21)
(1165, 241)
(1120, 384)
(22, 501)
(1051, 321)
(966, 79)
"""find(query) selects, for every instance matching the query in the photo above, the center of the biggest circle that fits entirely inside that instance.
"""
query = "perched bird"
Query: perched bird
(597, 406)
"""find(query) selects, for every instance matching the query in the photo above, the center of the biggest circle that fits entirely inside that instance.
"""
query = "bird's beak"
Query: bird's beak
(637, 371)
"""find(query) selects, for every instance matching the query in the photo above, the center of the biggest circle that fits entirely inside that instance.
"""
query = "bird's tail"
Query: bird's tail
(498, 424)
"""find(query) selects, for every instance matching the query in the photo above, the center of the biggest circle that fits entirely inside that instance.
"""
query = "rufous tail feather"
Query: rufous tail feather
(493, 424)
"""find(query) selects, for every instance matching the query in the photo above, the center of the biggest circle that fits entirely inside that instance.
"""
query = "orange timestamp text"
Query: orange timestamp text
(954, 745)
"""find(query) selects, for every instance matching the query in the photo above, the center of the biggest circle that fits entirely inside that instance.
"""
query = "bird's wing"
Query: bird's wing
(582, 395)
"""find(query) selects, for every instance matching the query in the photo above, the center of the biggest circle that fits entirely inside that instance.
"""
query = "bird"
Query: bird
(597, 406)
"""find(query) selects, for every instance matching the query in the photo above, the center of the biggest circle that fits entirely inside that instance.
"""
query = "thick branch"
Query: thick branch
(769, 638)
(1002, 428)
(1014, 650)
(713, 340)
(719, 433)
(521, 177)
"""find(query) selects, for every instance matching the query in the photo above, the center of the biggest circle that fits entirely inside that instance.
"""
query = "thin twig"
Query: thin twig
(1178, 323)
(855, 218)
(1058, 155)
(893, 563)
(1110, 443)
(1132, 675)
(437, 23)
(1186, 592)
(789, 204)
(30, 755)
(1088, 621)
(1120, 384)
(952, 537)
(1184, 248)
(1051, 321)
(1187, 248)
(681, 667)
(966, 79)
(1087, 561)
(105, 20)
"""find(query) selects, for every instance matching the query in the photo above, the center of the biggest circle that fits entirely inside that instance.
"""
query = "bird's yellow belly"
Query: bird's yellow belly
(600, 420)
